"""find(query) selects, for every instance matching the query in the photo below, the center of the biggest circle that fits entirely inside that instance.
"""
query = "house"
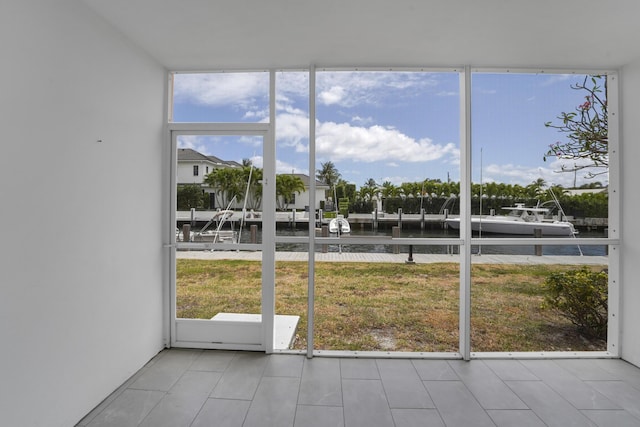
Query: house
(193, 167)
(84, 108)
(300, 202)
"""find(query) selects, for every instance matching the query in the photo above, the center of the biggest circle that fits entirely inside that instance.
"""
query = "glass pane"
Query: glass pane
(365, 303)
(388, 152)
(539, 155)
(221, 97)
(292, 157)
(536, 304)
(218, 201)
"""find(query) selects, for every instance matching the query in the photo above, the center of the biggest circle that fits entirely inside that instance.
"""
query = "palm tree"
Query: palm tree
(328, 174)
(286, 187)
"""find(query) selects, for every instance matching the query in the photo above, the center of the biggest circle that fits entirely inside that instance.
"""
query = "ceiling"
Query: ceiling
(189, 35)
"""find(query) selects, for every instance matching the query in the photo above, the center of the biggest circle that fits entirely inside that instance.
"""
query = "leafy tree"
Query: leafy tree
(328, 173)
(369, 190)
(586, 130)
(190, 196)
(286, 186)
(228, 183)
(254, 199)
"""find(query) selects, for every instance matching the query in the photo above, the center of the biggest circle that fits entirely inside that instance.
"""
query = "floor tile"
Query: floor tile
(212, 360)
(274, 404)
(222, 413)
(434, 370)
(626, 396)
(128, 409)
(548, 405)
(402, 385)
(510, 370)
(321, 383)
(609, 418)
(199, 383)
(242, 377)
(568, 385)
(284, 365)
(359, 369)
(489, 390)
(623, 370)
(456, 404)
(365, 404)
(319, 416)
(163, 374)
(417, 418)
(515, 418)
(586, 370)
(175, 410)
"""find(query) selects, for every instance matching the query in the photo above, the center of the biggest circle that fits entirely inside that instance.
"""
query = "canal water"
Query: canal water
(573, 246)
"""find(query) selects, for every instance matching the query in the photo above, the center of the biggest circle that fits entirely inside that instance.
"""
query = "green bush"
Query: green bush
(580, 296)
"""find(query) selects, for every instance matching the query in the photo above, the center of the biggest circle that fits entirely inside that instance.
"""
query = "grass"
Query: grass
(390, 307)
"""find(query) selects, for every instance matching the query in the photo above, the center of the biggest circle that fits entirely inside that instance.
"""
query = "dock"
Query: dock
(362, 221)
(396, 258)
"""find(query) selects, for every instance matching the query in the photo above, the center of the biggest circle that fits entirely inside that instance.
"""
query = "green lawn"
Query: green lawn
(390, 307)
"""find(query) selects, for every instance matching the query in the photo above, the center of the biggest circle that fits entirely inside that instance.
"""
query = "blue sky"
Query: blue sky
(389, 126)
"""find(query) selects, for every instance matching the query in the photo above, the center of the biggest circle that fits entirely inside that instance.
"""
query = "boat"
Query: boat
(521, 220)
(339, 225)
(217, 235)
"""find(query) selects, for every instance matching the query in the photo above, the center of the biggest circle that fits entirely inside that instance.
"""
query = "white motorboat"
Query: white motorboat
(520, 220)
(339, 225)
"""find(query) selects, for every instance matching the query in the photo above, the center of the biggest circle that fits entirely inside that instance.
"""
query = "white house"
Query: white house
(83, 302)
(300, 201)
(193, 166)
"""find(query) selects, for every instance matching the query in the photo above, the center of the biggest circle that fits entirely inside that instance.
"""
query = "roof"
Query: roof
(187, 154)
(305, 180)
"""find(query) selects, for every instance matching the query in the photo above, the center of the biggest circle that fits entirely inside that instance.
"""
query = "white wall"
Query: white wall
(630, 155)
(81, 264)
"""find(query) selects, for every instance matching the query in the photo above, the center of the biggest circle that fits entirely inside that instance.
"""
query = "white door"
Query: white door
(223, 198)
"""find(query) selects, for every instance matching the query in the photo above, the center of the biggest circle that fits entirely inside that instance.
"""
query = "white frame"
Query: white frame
(230, 335)
(465, 241)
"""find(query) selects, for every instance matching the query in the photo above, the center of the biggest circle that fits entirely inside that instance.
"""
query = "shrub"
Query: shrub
(580, 296)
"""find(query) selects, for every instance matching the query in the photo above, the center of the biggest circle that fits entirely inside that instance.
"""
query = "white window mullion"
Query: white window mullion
(465, 212)
(312, 204)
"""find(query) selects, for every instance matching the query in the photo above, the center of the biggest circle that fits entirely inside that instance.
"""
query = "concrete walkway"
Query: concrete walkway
(396, 258)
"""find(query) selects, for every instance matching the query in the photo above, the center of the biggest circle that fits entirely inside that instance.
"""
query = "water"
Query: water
(570, 249)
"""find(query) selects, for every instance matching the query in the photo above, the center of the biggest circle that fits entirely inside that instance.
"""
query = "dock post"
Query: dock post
(253, 233)
(375, 219)
(537, 233)
(186, 232)
(293, 219)
(395, 233)
(421, 218)
(193, 217)
(400, 218)
(325, 233)
(410, 259)
(320, 218)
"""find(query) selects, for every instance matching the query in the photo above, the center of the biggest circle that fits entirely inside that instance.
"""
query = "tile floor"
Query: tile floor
(196, 388)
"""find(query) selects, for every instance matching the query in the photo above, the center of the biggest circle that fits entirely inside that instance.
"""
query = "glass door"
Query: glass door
(223, 213)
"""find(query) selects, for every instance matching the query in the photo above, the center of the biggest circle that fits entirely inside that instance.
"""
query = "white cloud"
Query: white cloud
(341, 141)
(362, 120)
(350, 88)
(220, 89)
(281, 166)
(525, 175)
(334, 95)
